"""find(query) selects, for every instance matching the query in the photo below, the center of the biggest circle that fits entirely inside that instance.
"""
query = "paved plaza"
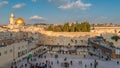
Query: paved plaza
(74, 61)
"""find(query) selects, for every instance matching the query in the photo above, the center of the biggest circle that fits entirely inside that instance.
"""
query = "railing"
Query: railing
(104, 46)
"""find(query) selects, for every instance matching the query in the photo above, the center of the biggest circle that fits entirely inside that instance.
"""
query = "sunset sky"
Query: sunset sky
(61, 11)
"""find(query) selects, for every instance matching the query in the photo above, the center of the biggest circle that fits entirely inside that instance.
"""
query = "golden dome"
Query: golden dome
(19, 21)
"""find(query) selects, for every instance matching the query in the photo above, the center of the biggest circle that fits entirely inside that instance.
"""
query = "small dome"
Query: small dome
(19, 21)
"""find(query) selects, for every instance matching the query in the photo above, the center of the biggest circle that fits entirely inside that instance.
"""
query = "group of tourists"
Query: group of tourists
(34, 62)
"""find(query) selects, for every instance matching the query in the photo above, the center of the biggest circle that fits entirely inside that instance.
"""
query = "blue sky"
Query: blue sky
(61, 11)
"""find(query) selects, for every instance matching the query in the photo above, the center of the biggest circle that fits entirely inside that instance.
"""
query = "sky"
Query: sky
(61, 11)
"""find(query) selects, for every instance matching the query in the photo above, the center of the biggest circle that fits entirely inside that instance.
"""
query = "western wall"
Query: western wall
(65, 38)
(77, 38)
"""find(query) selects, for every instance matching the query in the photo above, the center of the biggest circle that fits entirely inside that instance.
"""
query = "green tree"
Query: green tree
(66, 27)
(77, 27)
(58, 29)
(88, 26)
(85, 27)
(50, 28)
(72, 27)
(116, 38)
(61, 27)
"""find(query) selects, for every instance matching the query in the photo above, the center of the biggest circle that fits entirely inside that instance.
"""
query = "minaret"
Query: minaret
(12, 22)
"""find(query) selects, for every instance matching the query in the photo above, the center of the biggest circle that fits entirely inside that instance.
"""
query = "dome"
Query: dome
(19, 21)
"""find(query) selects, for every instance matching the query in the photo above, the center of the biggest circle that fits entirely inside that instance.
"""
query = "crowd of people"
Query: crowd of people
(34, 62)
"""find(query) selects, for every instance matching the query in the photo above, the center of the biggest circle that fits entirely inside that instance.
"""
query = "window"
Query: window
(0, 53)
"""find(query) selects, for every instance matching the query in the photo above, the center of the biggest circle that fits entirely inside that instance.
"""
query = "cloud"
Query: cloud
(36, 17)
(20, 5)
(77, 4)
(3, 3)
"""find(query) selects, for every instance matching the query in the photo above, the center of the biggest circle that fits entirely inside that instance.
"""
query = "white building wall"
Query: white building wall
(19, 47)
(10, 55)
(6, 57)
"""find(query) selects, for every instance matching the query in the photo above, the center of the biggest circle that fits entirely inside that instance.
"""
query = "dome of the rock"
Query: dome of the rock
(20, 21)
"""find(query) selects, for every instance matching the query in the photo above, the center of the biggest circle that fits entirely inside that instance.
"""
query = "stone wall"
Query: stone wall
(73, 38)
(65, 38)
(106, 30)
